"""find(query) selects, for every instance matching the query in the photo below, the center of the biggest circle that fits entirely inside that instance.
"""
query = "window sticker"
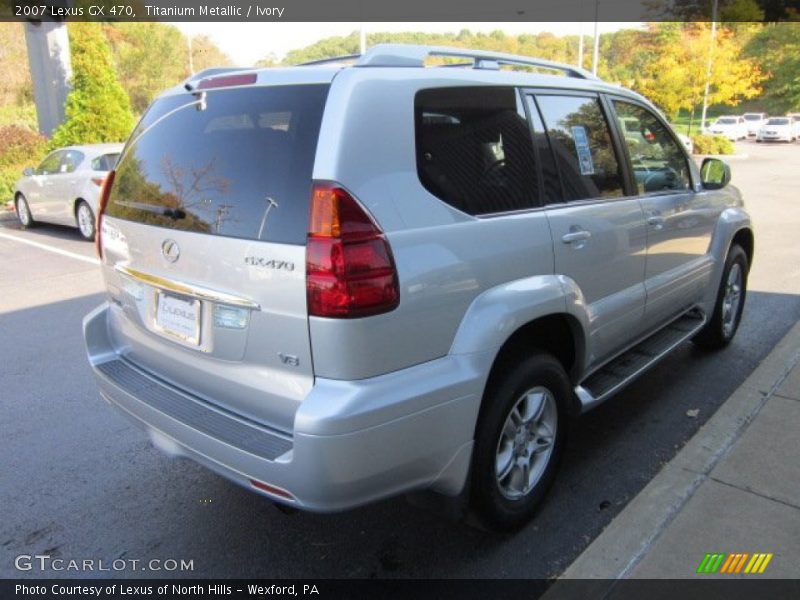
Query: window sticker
(582, 149)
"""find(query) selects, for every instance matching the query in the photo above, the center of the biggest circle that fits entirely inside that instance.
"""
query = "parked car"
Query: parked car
(795, 117)
(335, 284)
(754, 122)
(778, 129)
(733, 128)
(64, 189)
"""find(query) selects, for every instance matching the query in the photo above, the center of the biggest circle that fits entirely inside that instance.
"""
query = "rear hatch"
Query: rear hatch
(203, 243)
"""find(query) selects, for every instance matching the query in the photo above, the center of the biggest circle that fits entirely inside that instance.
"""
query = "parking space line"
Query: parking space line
(75, 255)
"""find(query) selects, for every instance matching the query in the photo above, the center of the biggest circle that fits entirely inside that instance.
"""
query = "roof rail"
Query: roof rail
(410, 55)
(333, 59)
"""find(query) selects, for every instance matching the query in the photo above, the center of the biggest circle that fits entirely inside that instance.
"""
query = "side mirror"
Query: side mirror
(27, 171)
(715, 174)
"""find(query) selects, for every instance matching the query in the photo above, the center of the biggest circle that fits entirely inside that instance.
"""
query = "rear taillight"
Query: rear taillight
(101, 208)
(98, 181)
(350, 271)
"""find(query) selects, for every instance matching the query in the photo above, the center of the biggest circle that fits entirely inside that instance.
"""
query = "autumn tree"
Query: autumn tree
(98, 109)
(675, 78)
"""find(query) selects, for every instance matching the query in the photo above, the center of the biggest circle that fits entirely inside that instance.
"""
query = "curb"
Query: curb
(629, 537)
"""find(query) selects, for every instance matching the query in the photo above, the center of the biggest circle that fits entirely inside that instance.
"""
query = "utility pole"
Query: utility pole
(580, 46)
(596, 53)
(363, 40)
(710, 62)
(51, 69)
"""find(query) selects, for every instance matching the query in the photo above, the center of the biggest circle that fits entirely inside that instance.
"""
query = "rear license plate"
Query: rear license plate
(178, 317)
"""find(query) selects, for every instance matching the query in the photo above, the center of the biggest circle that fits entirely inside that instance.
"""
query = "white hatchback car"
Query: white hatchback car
(65, 187)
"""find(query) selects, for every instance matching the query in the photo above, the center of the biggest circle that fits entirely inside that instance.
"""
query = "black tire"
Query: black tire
(719, 331)
(489, 499)
(24, 212)
(86, 227)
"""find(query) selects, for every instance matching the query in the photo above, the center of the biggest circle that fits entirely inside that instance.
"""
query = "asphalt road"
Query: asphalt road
(79, 482)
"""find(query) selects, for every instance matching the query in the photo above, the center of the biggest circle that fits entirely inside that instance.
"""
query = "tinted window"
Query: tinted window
(240, 168)
(582, 146)
(727, 121)
(105, 162)
(778, 122)
(474, 149)
(50, 164)
(658, 161)
(72, 160)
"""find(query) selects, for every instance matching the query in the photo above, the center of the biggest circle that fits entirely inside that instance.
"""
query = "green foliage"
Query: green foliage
(777, 48)
(712, 144)
(22, 147)
(98, 109)
(150, 57)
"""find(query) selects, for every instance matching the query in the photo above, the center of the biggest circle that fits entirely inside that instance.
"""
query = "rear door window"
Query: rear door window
(105, 162)
(474, 149)
(581, 143)
(241, 167)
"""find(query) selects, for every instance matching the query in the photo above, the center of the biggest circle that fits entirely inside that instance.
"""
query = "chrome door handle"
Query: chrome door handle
(656, 221)
(576, 236)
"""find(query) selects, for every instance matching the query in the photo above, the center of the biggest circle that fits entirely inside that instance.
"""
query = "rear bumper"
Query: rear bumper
(353, 441)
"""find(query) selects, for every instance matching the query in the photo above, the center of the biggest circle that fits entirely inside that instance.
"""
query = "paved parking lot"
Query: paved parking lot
(79, 482)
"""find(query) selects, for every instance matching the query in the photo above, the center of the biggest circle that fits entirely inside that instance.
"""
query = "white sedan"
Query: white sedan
(777, 129)
(65, 188)
(733, 128)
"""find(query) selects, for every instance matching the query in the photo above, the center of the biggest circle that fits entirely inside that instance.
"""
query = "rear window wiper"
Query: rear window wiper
(173, 213)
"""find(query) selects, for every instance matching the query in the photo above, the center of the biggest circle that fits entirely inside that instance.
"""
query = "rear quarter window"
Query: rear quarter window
(474, 149)
(239, 168)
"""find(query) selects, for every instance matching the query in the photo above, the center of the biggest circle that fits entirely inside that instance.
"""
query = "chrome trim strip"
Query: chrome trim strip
(188, 289)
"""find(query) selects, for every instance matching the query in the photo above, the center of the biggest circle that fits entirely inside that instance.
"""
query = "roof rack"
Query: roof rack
(410, 55)
(333, 59)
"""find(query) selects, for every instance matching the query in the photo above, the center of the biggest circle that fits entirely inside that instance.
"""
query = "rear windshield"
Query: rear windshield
(240, 167)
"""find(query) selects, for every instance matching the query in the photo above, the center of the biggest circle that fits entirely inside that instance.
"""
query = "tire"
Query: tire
(724, 323)
(522, 422)
(24, 213)
(84, 218)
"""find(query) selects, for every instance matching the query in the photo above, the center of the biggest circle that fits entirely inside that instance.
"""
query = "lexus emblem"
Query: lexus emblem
(171, 250)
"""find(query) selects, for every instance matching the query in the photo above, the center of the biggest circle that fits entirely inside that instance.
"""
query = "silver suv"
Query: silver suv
(337, 283)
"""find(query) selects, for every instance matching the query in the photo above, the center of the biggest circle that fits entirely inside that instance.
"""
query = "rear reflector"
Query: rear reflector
(271, 489)
(228, 81)
(101, 208)
(350, 270)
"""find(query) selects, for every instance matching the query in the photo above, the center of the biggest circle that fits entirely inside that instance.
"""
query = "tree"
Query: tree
(777, 48)
(150, 58)
(206, 54)
(675, 77)
(98, 109)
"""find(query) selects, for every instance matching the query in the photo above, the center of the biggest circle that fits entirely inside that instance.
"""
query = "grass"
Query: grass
(14, 114)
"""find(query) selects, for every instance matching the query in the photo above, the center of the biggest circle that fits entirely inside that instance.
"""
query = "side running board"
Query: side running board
(612, 377)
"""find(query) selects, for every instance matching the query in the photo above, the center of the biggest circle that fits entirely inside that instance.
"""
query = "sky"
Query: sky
(246, 43)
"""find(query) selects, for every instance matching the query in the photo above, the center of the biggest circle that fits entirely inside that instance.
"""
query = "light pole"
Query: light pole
(596, 53)
(710, 63)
